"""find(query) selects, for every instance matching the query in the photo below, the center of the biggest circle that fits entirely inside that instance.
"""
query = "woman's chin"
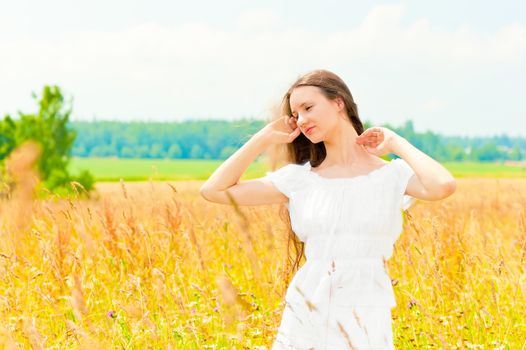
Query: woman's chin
(314, 140)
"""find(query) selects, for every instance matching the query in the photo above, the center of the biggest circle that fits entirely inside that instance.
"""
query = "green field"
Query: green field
(113, 169)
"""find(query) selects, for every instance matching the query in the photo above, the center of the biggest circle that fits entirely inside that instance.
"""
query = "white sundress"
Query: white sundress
(341, 298)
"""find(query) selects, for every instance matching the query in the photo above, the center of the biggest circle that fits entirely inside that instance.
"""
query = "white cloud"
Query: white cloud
(433, 104)
(258, 19)
(382, 34)
(199, 70)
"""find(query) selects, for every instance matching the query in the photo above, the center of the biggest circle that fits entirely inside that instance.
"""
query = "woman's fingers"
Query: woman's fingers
(374, 140)
(295, 132)
(291, 136)
(291, 121)
(366, 138)
(370, 136)
(367, 133)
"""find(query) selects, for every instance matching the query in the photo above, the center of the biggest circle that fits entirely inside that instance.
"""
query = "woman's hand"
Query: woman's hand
(281, 130)
(378, 140)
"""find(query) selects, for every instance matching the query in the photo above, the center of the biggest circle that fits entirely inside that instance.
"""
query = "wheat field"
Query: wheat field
(152, 265)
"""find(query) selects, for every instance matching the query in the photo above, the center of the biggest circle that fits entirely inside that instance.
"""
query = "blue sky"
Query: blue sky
(457, 68)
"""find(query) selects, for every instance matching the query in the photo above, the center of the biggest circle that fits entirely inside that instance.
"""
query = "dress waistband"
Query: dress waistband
(348, 260)
(349, 248)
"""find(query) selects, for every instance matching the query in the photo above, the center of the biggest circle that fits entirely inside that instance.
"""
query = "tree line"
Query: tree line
(218, 139)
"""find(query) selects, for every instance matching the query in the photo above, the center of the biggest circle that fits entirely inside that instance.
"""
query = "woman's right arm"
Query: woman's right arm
(249, 192)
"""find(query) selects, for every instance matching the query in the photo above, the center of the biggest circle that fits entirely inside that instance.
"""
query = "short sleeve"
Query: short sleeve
(405, 172)
(284, 178)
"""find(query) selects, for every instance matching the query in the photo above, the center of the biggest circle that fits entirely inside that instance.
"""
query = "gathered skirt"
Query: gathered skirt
(332, 327)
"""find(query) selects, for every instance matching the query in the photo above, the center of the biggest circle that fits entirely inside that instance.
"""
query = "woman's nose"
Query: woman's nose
(300, 120)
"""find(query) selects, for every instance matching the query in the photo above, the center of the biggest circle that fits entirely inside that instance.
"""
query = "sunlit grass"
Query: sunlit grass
(153, 266)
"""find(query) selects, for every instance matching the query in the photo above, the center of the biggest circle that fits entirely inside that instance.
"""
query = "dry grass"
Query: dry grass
(154, 266)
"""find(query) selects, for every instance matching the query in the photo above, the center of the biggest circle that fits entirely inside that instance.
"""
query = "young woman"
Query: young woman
(345, 205)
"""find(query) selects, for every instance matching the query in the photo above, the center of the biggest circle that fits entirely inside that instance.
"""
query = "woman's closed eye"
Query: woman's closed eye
(296, 117)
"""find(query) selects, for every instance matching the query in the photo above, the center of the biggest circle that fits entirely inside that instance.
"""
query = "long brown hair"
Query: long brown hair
(302, 149)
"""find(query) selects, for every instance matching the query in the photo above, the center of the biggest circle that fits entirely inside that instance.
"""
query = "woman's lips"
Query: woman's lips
(309, 130)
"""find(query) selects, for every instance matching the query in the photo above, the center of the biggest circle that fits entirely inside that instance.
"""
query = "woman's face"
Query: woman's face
(316, 115)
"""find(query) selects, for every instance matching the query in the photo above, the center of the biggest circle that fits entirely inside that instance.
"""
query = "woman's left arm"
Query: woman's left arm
(432, 181)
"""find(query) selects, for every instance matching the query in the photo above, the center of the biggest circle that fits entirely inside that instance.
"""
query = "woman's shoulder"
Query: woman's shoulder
(289, 177)
(290, 170)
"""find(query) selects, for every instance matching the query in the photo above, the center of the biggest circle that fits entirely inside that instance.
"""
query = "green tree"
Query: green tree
(7, 137)
(196, 152)
(156, 151)
(227, 151)
(175, 151)
(489, 151)
(49, 128)
(127, 152)
(516, 153)
(455, 153)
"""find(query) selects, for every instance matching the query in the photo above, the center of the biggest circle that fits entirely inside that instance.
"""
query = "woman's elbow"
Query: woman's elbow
(441, 190)
(205, 193)
(448, 188)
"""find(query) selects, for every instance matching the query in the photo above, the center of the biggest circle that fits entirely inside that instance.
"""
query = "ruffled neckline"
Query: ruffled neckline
(308, 167)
